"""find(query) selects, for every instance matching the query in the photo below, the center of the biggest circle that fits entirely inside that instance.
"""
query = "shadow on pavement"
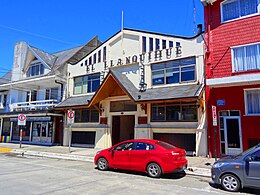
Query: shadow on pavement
(244, 190)
(165, 176)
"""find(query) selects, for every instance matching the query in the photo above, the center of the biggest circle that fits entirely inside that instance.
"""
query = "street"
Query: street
(20, 175)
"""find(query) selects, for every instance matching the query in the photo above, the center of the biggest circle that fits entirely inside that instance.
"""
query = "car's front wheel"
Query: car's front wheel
(230, 182)
(154, 170)
(102, 164)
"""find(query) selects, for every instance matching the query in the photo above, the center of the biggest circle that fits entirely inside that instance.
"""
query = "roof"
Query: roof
(75, 101)
(6, 78)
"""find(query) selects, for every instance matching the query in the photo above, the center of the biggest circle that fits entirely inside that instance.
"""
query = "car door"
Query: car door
(120, 155)
(252, 169)
(140, 156)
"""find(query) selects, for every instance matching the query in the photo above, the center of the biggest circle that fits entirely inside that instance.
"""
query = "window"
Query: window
(104, 54)
(125, 146)
(120, 106)
(35, 69)
(86, 84)
(150, 44)
(86, 115)
(3, 99)
(164, 44)
(233, 9)
(170, 44)
(95, 58)
(165, 145)
(144, 44)
(166, 112)
(256, 156)
(51, 94)
(246, 58)
(174, 71)
(252, 102)
(144, 146)
(31, 96)
(157, 44)
(99, 56)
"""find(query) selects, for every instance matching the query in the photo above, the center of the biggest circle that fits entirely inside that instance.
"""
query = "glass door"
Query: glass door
(42, 132)
(232, 135)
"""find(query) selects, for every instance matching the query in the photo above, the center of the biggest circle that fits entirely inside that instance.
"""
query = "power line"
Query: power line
(38, 35)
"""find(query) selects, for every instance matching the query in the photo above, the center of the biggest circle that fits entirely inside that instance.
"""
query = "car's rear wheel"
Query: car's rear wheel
(102, 164)
(154, 170)
(230, 182)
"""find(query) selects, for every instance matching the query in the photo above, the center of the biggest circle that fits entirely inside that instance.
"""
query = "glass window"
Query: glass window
(246, 58)
(256, 156)
(174, 72)
(233, 9)
(174, 112)
(144, 146)
(144, 44)
(99, 56)
(104, 54)
(119, 106)
(164, 44)
(86, 115)
(124, 146)
(157, 44)
(165, 145)
(253, 102)
(35, 69)
(86, 84)
(150, 44)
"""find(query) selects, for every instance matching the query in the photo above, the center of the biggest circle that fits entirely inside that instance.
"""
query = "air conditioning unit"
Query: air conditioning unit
(207, 2)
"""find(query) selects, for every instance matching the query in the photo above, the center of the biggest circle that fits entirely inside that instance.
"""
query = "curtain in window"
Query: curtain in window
(253, 102)
(251, 57)
(230, 10)
(248, 7)
(239, 56)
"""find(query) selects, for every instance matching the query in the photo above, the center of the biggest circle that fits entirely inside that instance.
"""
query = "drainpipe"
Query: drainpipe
(61, 89)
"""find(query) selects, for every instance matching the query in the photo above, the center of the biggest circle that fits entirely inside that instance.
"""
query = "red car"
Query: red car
(144, 155)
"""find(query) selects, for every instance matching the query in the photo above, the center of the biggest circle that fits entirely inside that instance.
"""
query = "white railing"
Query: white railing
(33, 105)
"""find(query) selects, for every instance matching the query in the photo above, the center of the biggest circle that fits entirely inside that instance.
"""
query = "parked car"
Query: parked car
(239, 171)
(143, 155)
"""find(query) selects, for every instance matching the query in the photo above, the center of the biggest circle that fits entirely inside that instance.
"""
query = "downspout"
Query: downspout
(61, 89)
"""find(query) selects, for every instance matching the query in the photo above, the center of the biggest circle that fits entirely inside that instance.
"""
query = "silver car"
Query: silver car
(239, 171)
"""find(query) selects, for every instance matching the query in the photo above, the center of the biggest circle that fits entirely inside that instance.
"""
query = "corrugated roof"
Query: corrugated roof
(75, 101)
(6, 78)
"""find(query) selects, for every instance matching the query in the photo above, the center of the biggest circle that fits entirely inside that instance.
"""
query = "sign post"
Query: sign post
(214, 119)
(21, 122)
(70, 120)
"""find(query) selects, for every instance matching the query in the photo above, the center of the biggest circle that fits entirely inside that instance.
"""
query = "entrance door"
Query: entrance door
(233, 135)
(122, 128)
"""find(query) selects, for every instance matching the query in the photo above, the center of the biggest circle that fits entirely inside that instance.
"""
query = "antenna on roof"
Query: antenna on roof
(194, 17)
(122, 32)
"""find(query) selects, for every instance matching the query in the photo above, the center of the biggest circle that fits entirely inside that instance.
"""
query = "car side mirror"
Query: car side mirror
(248, 159)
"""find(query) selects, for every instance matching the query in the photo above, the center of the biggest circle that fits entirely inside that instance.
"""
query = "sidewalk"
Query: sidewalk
(196, 165)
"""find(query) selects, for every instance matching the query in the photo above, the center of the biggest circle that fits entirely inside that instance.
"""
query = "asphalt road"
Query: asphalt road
(20, 175)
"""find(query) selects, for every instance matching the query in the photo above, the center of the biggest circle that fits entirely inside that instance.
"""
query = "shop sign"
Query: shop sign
(221, 102)
(33, 119)
(214, 115)
(21, 119)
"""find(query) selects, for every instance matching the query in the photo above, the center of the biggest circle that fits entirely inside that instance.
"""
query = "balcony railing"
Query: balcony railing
(33, 105)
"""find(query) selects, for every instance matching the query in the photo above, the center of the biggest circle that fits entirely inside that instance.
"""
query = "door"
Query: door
(252, 170)
(120, 157)
(233, 135)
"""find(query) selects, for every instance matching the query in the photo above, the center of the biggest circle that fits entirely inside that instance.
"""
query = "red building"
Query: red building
(232, 44)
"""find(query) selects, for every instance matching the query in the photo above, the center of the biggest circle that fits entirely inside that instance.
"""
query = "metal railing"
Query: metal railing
(33, 105)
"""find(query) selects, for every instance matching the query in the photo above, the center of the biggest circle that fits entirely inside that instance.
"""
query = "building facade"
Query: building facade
(36, 83)
(232, 74)
(138, 84)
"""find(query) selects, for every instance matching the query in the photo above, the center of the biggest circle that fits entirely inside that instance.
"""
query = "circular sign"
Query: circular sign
(71, 114)
(21, 117)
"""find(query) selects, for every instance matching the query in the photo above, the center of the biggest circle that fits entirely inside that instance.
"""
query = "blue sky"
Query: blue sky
(53, 25)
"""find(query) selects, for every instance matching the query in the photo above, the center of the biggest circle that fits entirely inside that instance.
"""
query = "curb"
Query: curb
(201, 172)
(53, 155)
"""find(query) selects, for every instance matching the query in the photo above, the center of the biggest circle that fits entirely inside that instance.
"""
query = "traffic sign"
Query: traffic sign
(22, 119)
(70, 116)
(214, 115)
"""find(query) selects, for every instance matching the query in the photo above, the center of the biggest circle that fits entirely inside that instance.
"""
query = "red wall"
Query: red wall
(234, 100)
(223, 36)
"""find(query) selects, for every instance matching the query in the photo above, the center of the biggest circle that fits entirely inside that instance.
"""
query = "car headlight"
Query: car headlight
(218, 165)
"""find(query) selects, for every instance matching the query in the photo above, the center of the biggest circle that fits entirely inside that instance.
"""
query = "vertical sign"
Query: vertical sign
(214, 116)
(21, 122)
(70, 120)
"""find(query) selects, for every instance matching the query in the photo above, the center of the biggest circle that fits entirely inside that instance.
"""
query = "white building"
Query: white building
(139, 84)
(36, 83)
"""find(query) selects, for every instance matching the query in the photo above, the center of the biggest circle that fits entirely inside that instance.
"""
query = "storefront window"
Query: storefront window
(174, 112)
(6, 127)
(16, 131)
(86, 115)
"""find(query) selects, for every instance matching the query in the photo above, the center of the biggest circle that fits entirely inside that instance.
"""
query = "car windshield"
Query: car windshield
(246, 152)
(165, 145)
